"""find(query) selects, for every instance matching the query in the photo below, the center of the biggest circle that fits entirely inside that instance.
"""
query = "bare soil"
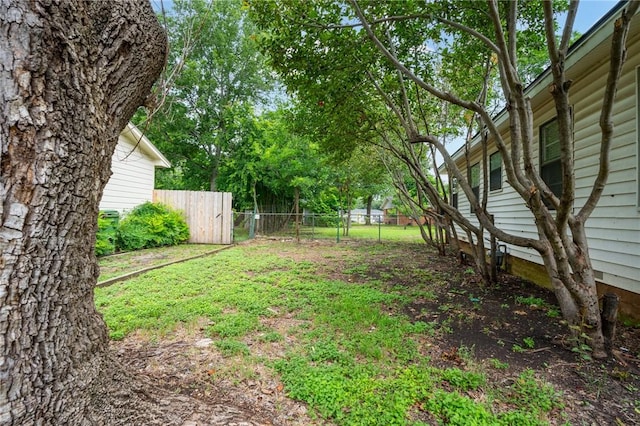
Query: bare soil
(487, 322)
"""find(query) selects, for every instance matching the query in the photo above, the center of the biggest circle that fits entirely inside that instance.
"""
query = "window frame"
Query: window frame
(475, 189)
(454, 192)
(495, 184)
(553, 166)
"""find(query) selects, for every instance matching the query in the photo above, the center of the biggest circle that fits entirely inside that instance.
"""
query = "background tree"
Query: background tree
(224, 77)
(73, 74)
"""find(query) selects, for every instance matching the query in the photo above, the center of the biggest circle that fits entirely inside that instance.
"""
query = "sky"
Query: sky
(589, 11)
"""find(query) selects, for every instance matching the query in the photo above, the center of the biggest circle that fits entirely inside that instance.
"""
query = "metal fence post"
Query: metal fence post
(252, 226)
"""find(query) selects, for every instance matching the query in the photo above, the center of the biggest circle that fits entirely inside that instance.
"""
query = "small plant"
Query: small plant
(453, 408)
(235, 325)
(529, 343)
(580, 344)
(528, 392)
(232, 347)
(469, 271)
(538, 303)
(583, 350)
(466, 353)
(420, 327)
(272, 337)
(620, 374)
(326, 351)
(531, 301)
(445, 307)
(517, 348)
(629, 322)
(463, 380)
(554, 313)
(445, 326)
(497, 364)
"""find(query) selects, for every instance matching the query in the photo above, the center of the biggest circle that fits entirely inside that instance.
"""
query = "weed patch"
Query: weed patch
(230, 347)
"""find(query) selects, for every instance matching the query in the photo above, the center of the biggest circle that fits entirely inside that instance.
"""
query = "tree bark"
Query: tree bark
(368, 216)
(72, 75)
(610, 304)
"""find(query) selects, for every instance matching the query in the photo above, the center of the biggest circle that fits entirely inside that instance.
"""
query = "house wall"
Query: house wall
(132, 181)
(613, 229)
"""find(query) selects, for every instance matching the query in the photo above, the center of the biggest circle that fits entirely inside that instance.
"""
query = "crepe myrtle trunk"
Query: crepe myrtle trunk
(569, 266)
(72, 73)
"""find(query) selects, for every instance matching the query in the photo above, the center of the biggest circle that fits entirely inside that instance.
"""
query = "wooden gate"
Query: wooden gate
(208, 214)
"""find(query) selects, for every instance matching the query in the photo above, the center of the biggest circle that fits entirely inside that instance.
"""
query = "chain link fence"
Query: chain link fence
(336, 226)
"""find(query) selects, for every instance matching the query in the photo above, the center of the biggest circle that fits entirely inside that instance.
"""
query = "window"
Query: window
(454, 192)
(475, 183)
(550, 167)
(495, 171)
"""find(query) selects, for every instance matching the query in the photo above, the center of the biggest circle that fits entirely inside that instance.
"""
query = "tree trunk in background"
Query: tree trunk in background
(215, 170)
(369, 202)
(72, 75)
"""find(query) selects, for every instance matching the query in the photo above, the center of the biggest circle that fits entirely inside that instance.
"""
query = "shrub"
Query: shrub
(151, 225)
(106, 235)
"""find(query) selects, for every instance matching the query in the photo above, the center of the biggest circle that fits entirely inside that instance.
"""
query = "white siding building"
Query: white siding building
(133, 165)
(613, 229)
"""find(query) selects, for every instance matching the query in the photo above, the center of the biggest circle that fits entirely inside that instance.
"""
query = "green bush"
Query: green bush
(106, 235)
(151, 225)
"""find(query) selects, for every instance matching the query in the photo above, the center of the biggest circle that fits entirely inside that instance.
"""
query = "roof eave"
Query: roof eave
(134, 135)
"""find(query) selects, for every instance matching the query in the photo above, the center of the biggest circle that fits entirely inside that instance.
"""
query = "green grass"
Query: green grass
(372, 232)
(123, 263)
(346, 354)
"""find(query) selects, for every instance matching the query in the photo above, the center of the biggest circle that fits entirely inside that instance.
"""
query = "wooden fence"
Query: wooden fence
(208, 214)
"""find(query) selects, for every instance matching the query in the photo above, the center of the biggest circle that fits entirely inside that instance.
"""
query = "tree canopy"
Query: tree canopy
(222, 78)
(383, 70)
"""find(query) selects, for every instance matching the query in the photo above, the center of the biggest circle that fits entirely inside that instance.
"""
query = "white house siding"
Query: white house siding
(613, 229)
(133, 172)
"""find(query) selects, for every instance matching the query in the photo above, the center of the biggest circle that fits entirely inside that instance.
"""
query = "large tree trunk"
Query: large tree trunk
(72, 75)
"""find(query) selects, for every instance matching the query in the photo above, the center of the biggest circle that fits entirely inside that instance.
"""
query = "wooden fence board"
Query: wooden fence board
(208, 214)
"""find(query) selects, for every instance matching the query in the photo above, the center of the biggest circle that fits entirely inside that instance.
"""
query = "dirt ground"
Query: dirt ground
(489, 322)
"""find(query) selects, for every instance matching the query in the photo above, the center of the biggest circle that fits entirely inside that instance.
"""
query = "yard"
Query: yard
(278, 333)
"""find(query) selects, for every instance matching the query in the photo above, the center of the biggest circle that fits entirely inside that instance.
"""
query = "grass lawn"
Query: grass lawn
(123, 263)
(335, 335)
(370, 232)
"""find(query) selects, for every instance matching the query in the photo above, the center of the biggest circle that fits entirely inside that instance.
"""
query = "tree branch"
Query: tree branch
(618, 57)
